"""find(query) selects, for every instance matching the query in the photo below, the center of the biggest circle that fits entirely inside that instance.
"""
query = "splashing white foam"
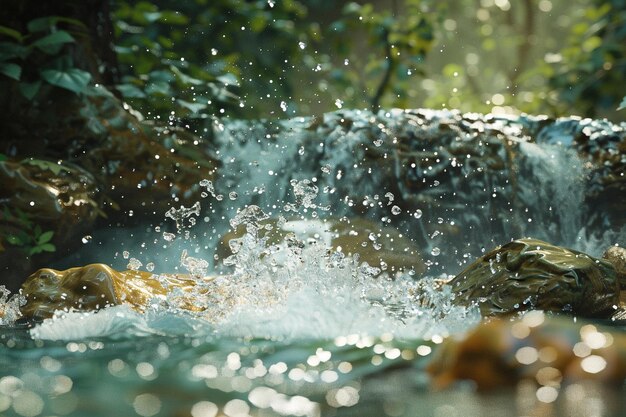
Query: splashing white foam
(287, 291)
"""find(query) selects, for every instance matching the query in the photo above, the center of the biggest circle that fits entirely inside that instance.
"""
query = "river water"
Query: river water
(298, 327)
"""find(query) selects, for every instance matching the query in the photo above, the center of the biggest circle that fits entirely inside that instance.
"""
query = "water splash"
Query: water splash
(10, 306)
(289, 290)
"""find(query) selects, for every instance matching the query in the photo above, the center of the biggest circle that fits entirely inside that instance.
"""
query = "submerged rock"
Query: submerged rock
(537, 349)
(531, 274)
(96, 286)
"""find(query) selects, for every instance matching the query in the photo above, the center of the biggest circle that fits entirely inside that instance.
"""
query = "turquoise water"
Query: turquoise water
(160, 375)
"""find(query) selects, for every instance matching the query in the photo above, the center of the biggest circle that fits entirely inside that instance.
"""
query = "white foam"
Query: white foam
(113, 322)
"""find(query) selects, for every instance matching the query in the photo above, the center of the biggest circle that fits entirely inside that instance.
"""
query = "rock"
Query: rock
(538, 349)
(97, 286)
(381, 247)
(617, 257)
(532, 274)
(122, 152)
(37, 197)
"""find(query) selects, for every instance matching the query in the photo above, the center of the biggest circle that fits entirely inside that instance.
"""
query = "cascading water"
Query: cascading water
(288, 321)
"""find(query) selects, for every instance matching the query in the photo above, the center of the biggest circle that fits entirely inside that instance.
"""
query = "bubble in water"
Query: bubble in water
(134, 264)
(417, 214)
(150, 267)
(436, 251)
(301, 150)
(378, 142)
(169, 236)
(125, 254)
(233, 195)
(395, 210)
(86, 239)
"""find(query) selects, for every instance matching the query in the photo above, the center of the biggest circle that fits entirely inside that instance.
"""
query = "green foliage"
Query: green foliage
(590, 75)
(28, 236)
(40, 56)
(186, 58)
(396, 44)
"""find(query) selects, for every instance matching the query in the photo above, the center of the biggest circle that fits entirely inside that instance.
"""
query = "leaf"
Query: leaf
(130, 91)
(45, 237)
(52, 43)
(193, 107)
(152, 17)
(34, 250)
(622, 105)
(14, 240)
(12, 33)
(45, 23)
(174, 18)
(228, 79)
(48, 247)
(11, 70)
(30, 90)
(184, 78)
(10, 50)
(72, 79)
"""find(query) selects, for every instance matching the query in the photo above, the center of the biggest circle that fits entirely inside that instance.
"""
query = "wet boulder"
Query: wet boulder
(536, 349)
(96, 286)
(531, 274)
(45, 207)
(141, 167)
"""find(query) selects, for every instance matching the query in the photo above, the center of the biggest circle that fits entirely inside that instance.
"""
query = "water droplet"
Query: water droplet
(417, 214)
(150, 266)
(395, 210)
(125, 254)
(86, 239)
(233, 195)
(134, 264)
(169, 236)
(436, 251)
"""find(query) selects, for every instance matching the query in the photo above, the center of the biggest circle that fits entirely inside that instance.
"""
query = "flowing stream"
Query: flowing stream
(296, 325)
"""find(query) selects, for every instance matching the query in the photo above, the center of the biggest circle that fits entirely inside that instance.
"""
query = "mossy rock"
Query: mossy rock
(96, 286)
(532, 274)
